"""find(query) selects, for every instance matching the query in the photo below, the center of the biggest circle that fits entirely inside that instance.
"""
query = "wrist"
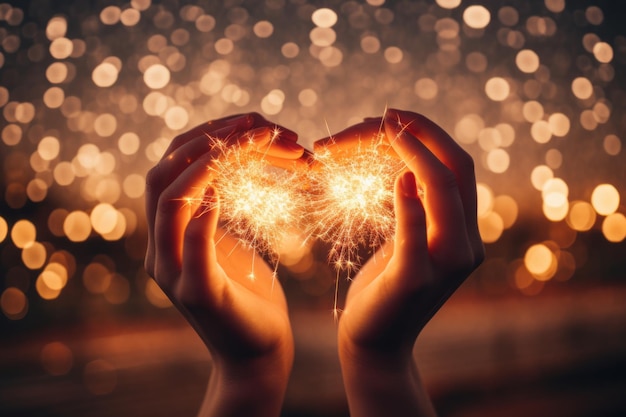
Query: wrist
(268, 372)
(382, 382)
(387, 354)
(252, 387)
(362, 363)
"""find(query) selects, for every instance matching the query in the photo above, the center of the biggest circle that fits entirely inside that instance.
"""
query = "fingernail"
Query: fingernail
(409, 184)
(210, 195)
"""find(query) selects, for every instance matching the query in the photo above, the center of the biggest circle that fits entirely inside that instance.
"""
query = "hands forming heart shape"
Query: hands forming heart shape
(398, 181)
(344, 197)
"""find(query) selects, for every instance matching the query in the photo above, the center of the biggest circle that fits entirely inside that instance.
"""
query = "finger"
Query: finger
(258, 120)
(228, 127)
(170, 167)
(410, 243)
(447, 231)
(176, 206)
(202, 279)
(350, 138)
(410, 236)
(280, 148)
(158, 178)
(455, 158)
(215, 128)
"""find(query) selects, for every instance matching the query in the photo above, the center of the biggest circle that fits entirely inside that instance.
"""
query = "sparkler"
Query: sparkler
(261, 204)
(346, 201)
(352, 201)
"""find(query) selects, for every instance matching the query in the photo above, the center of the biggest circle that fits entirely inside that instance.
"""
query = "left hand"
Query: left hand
(205, 271)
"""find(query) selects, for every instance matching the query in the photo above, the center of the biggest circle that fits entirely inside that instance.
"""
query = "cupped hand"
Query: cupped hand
(203, 269)
(435, 247)
(436, 244)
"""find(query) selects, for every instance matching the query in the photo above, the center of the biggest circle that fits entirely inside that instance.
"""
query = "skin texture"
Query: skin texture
(206, 273)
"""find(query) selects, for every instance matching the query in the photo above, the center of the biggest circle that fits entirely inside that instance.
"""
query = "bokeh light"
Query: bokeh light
(23, 233)
(582, 88)
(91, 95)
(324, 18)
(605, 199)
(57, 358)
(497, 89)
(156, 76)
(104, 75)
(14, 303)
(581, 216)
(527, 61)
(614, 227)
(476, 17)
(540, 261)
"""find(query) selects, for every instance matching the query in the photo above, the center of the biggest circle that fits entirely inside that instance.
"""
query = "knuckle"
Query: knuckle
(178, 140)
(153, 179)
(254, 119)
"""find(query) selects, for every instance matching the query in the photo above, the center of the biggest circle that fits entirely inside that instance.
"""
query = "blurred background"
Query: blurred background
(91, 93)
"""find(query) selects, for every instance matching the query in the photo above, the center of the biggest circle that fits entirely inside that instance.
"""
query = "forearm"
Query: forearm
(378, 387)
(251, 388)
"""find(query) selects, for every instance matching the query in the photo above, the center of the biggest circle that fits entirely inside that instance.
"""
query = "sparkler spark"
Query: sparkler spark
(260, 204)
(347, 201)
(352, 195)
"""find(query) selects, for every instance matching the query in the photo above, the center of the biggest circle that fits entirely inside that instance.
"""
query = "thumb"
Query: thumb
(411, 243)
(202, 277)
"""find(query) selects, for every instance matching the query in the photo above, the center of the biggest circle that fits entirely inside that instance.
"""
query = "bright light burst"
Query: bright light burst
(346, 201)
(352, 199)
(260, 204)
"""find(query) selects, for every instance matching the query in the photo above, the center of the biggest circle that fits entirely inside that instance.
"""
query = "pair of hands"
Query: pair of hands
(245, 323)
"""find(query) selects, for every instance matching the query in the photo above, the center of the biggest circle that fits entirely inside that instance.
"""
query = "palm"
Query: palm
(248, 302)
(381, 312)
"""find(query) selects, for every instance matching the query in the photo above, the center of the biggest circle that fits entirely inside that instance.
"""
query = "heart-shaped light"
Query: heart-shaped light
(346, 201)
